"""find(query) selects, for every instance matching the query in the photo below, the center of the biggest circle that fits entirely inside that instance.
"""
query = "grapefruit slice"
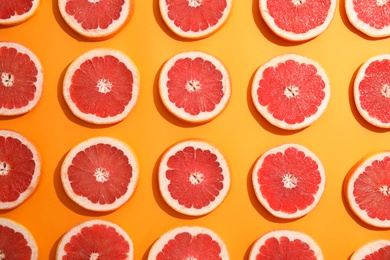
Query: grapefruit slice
(287, 243)
(288, 180)
(367, 189)
(374, 250)
(100, 174)
(20, 169)
(16, 242)
(195, 19)
(96, 20)
(372, 90)
(21, 79)
(101, 86)
(17, 11)
(194, 177)
(95, 239)
(189, 242)
(194, 86)
(291, 91)
(297, 20)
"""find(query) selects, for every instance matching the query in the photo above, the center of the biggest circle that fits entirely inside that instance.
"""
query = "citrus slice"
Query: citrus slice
(194, 86)
(287, 243)
(195, 19)
(291, 91)
(374, 250)
(101, 86)
(100, 174)
(16, 242)
(21, 79)
(189, 242)
(372, 90)
(96, 20)
(20, 169)
(194, 177)
(17, 11)
(297, 20)
(288, 180)
(95, 239)
(367, 189)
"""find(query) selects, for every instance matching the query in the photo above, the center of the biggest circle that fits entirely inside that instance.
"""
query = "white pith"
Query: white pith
(289, 181)
(4, 168)
(104, 86)
(101, 174)
(196, 178)
(381, 2)
(291, 91)
(193, 85)
(7, 79)
(194, 3)
(298, 2)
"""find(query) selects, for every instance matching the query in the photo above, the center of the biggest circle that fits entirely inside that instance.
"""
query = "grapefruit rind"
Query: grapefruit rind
(263, 200)
(263, 110)
(85, 202)
(38, 83)
(160, 243)
(369, 248)
(203, 116)
(75, 65)
(20, 18)
(164, 181)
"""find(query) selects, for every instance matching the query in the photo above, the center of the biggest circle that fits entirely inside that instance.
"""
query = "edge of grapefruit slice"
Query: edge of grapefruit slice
(21, 15)
(372, 248)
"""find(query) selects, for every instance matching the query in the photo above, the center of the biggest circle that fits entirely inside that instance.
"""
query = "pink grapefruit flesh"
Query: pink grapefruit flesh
(17, 11)
(374, 250)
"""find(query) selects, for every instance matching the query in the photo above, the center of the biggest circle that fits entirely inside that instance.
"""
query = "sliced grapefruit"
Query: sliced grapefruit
(195, 19)
(17, 11)
(291, 91)
(194, 86)
(16, 242)
(96, 19)
(20, 169)
(189, 242)
(21, 79)
(101, 86)
(297, 20)
(96, 239)
(288, 180)
(367, 189)
(100, 174)
(374, 250)
(194, 177)
(285, 244)
(372, 90)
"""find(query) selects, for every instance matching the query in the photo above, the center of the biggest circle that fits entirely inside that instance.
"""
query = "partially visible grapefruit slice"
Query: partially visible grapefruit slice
(20, 169)
(17, 11)
(96, 19)
(288, 180)
(101, 86)
(367, 189)
(100, 174)
(194, 86)
(287, 243)
(372, 90)
(291, 91)
(194, 177)
(95, 239)
(189, 242)
(21, 80)
(195, 19)
(297, 20)
(374, 250)
(16, 242)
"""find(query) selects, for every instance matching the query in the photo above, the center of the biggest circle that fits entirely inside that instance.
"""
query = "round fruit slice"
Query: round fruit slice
(100, 174)
(17, 11)
(194, 177)
(288, 180)
(287, 243)
(297, 20)
(374, 250)
(101, 86)
(192, 242)
(20, 169)
(367, 189)
(96, 20)
(95, 239)
(195, 18)
(372, 90)
(16, 242)
(21, 79)
(291, 91)
(194, 86)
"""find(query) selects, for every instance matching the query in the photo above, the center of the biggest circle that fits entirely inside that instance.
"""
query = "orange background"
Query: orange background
(339, 138)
